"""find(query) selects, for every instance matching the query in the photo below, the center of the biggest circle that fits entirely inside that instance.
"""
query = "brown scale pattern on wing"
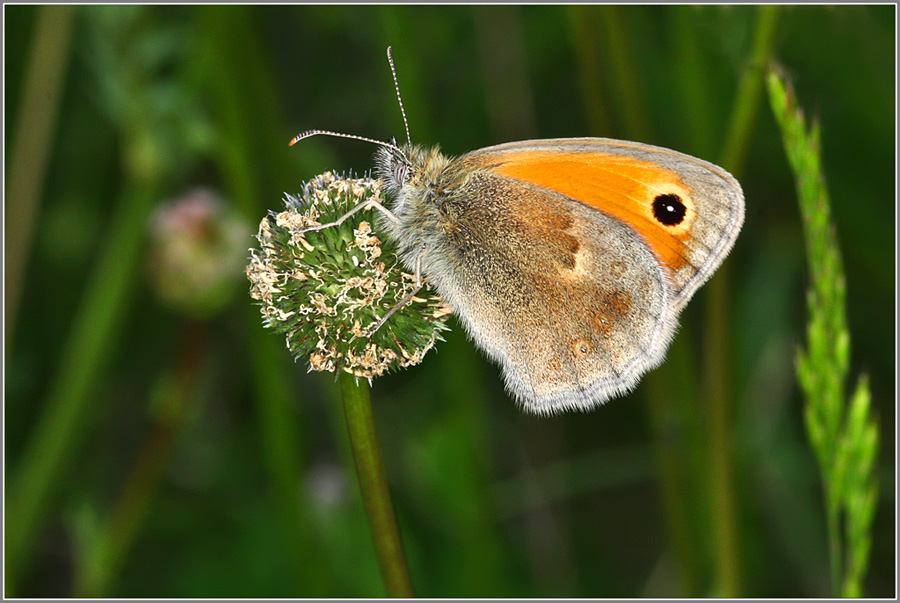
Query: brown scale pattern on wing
(585, 337)
(532, 229)
(615, 307)
(514, 242)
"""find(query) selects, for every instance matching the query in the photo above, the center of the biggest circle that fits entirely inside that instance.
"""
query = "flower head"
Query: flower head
(325, 289)
(196, 252)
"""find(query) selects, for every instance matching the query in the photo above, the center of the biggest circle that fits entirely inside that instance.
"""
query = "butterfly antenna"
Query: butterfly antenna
(399, 99)
(310, 133)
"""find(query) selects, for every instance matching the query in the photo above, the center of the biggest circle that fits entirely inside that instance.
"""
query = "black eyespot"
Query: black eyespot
(669, 209)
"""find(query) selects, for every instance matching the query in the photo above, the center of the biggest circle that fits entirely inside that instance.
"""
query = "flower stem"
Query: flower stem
(109, 550)
(373, 486)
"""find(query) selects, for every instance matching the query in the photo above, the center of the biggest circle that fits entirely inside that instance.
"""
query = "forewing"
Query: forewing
(640, 185)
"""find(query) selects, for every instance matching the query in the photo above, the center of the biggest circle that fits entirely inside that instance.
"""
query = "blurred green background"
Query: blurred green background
(162, 445)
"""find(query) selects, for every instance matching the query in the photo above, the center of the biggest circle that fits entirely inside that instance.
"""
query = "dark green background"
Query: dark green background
(491, 502)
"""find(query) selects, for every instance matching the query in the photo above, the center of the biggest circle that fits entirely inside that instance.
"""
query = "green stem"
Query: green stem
(374, 487)
(750, 90)
(87, 349)
(582, 32)
(108, 552)
(835, 543)
(238, 79)
(624, 81)
(676, 438)
(718, 386)
(32, 143)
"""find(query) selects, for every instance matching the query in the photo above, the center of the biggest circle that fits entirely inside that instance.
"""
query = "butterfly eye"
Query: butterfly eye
(400, 171)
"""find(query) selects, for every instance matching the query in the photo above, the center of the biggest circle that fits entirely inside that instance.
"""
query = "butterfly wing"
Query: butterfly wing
(687, 211)
(561, 268)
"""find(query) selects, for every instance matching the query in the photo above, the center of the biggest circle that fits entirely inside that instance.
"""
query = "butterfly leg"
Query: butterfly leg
(420, 282)
(364, 205)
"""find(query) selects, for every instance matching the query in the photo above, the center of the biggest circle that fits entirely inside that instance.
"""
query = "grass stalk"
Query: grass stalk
(86, 352)
(623, 72)
(843, 433)
(718, 391)
(32, 144)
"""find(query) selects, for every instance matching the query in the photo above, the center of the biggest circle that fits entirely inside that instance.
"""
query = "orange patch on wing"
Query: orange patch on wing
(619, 186)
